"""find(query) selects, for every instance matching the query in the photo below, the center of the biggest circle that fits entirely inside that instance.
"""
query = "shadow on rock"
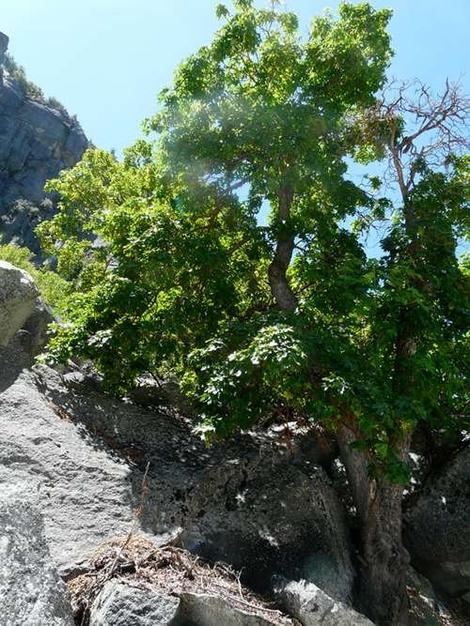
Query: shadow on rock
(248, 502)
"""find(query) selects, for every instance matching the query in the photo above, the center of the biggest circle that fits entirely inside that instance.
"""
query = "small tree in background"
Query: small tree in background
(290, 318)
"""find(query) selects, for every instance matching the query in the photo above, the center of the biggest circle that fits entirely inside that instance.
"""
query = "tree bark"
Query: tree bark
(383, 559)
(382, 589)
(280, 288)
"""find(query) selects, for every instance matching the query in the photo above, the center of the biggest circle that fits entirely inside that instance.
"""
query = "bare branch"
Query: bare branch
(422, 128)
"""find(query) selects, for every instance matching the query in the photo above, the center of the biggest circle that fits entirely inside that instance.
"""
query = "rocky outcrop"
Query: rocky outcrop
(37, 140)
(247, 502)
(21, 307)
(31, 593)
(3, 46)
(18, 299)
(84, 492)
(437, 528)
(119, 605)
(313, 607)
(81, 457)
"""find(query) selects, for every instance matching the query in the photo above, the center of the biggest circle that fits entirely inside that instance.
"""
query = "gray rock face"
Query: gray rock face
(437, 528)
(119, 604)
(81, 456)
(83, 491)
(31, 593)
(3, 46)
(210, 610)
(313, 607)
(19, 298)
(37, 141)
(247, 502)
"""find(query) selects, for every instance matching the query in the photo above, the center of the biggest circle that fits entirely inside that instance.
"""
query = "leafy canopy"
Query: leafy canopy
(178, 274)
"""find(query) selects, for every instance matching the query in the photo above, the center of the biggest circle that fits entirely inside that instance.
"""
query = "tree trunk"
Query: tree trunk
(383, 558)
(280, 288)
(382, 589)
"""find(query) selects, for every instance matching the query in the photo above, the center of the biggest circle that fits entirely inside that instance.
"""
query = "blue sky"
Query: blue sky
(106, 60)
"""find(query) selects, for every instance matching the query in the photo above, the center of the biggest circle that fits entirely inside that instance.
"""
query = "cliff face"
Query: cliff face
(37, 140)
